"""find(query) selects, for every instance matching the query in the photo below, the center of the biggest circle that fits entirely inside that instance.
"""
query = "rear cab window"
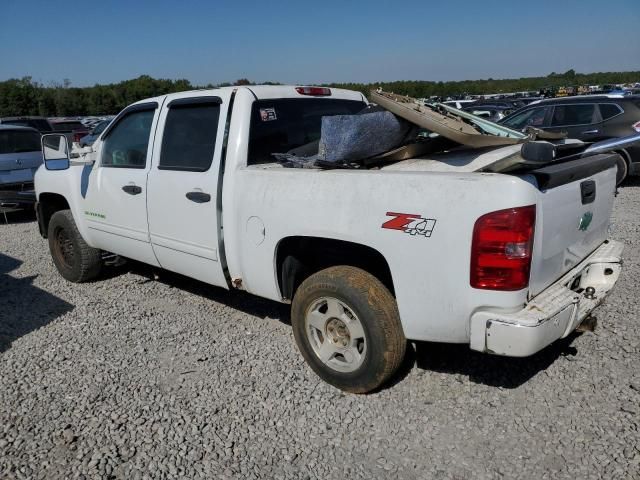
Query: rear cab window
(281, 125)
(19, 141)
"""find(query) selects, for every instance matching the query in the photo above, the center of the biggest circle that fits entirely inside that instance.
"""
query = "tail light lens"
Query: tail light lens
(501, 249)
(636, 127)
(314, 91)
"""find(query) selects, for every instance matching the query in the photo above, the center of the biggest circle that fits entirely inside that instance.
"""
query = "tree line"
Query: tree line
(25, 96)
(425, 89)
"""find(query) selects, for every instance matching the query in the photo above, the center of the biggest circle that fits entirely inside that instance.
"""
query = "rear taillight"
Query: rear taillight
(315, 91)
(501, 249)
(636, 126)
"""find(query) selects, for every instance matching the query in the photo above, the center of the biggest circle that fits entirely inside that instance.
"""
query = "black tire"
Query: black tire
(623, 169)
(75, 260)
(377, 312)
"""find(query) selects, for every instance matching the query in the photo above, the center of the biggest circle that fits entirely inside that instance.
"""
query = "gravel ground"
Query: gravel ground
(135, 377)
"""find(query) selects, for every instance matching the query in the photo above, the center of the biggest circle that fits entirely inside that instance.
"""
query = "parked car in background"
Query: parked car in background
(74, 130)
(459, 104)
(20, 156)
(94, 133)
(490, 112)
(527, 100)
(589, 118)
(39, 123)
(513, 103)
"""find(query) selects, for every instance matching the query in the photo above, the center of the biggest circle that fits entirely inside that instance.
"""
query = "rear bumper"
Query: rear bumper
(11, 200)
(554, 313)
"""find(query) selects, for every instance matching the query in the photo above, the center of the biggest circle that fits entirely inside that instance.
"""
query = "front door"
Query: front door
(183, 185)
(114, 188)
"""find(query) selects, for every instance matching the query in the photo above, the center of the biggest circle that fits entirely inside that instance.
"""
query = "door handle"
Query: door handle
(132, 189)
(587, 132)
(198, 197)
(588, 191)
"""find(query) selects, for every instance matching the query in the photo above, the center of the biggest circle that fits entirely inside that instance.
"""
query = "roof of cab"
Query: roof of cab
(263, 92)
(22, 117)
(7, 126)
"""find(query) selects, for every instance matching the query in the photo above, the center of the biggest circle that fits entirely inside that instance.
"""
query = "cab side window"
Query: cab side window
(189, 138)
(567, 115)
(126, 143)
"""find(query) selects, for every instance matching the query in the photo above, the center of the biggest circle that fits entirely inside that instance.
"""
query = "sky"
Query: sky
(300, 42)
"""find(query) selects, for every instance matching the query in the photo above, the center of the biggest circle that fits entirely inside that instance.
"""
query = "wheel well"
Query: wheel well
(48, 204)
(299, 257)
(624, 154)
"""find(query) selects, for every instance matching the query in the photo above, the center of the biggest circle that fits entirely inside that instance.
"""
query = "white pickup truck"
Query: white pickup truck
(429, 249)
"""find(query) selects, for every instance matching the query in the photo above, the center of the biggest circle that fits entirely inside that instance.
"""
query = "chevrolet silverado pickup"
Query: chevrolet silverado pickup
(439, 248)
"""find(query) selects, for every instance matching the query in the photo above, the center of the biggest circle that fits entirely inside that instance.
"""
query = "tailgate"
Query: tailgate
(20, 161)
(573, 209)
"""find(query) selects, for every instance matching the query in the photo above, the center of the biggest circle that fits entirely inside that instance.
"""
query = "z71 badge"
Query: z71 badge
(410, 223)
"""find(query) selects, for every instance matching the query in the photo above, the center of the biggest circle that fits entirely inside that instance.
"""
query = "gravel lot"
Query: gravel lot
(133, 377)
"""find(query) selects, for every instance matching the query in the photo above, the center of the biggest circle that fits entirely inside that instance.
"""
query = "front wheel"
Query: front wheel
(347, 327)
(75, 260)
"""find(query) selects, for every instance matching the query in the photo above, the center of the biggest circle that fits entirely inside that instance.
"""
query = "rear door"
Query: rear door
(579, 120)
(183, 203)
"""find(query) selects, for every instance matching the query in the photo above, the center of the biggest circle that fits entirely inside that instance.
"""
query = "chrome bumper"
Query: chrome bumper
(552, 314)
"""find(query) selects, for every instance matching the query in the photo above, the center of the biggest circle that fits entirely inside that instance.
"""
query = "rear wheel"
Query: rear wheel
(347, 327)
(623, 169)
(75, 260)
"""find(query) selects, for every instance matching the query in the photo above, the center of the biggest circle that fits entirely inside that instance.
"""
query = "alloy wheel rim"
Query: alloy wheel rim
(336, 334)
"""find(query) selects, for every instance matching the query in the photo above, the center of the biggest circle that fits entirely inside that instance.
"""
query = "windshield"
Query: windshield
(98, 129)
(68, 126)
(16, 141)
(278, 126)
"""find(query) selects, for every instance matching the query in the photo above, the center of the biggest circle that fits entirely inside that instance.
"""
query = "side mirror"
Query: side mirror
(55, 151)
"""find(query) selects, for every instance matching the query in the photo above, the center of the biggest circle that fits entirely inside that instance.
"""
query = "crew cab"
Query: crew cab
(428, 248)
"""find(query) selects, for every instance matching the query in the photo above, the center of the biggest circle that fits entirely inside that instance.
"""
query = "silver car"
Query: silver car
(20, 156)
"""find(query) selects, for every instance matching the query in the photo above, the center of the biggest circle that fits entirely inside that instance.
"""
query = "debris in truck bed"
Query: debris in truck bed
(459, 126)
(347, 139)
(389, 131)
